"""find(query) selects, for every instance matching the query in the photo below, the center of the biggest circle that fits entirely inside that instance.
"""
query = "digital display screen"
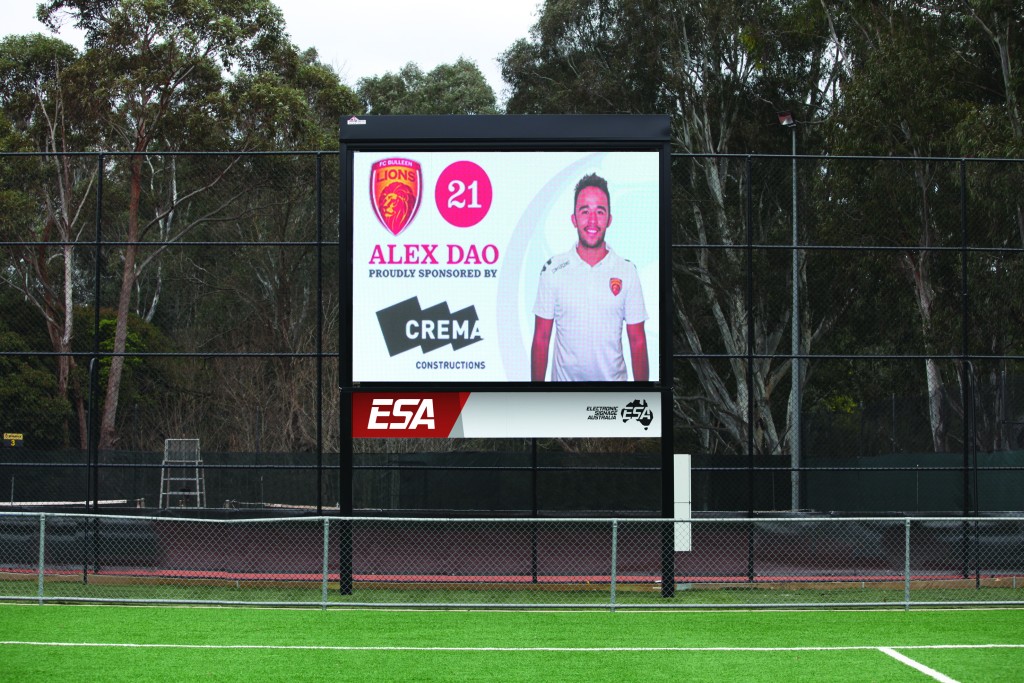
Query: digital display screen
(505, 266)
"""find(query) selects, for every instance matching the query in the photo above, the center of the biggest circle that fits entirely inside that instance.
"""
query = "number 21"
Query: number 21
(458, 189)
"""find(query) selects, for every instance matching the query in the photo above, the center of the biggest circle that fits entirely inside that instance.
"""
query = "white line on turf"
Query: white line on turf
(927, 671)
(405, 648)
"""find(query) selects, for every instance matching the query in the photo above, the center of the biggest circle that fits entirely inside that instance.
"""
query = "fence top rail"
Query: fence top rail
(333, 242)
(516, 520)
(677, 154)
(838, 157)
(179, 153)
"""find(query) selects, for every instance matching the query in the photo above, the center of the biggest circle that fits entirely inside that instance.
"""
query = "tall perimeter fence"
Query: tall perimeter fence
(848, 340)
(597, 563)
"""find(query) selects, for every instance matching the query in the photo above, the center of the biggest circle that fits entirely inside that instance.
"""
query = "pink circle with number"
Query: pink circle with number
(463, 194)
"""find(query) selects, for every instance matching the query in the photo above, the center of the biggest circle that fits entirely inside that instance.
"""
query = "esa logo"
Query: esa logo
(401, 413)
(638, 410)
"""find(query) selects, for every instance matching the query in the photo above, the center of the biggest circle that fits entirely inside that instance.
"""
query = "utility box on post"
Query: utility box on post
(682, 506)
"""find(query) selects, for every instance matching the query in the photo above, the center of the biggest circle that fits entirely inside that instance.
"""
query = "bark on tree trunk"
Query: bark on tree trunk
(108, 433)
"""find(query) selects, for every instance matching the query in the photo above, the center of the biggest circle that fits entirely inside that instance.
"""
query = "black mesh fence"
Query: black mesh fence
(900, 387)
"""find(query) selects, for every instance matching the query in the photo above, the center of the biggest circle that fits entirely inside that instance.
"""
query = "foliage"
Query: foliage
(936, 78)
(295, 105)
(458, 88)
(29, 401)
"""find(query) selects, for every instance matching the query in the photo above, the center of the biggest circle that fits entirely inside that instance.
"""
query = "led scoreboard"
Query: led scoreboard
(508, 276)
(463, 246)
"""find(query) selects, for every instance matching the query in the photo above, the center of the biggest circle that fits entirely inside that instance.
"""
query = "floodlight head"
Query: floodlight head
(786, 119)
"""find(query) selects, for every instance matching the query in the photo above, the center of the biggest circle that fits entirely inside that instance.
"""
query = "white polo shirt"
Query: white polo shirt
(589, 304)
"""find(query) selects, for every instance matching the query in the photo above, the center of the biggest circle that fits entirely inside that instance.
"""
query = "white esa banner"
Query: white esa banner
(448, 250)
(486, 415)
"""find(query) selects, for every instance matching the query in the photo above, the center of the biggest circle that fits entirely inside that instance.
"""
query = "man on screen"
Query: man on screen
(586, 294)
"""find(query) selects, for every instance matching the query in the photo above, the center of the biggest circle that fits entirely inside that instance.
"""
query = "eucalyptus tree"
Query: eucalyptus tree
(905, 88)
(147, 65)
(456, 88)
(722, 71)
(47, 197)
(264, 298)
(998, 30)
(993, 46)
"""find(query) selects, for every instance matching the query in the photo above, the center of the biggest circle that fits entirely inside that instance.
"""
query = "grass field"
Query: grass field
(108, 643)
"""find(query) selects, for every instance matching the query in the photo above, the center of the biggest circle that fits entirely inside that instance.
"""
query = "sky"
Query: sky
(360, 39)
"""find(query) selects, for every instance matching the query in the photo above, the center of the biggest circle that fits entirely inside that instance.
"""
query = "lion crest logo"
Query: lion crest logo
(616, 285)
(395, 191)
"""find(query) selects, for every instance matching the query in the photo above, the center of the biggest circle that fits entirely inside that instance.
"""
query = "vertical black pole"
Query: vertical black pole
(345, 370)
(970, 421)
(90, 447)
(94, 415)
(92, 427)
(319, 339)
(90, 431)
(534, 510)
(965, 368)
(345, 498)
(964, 320)
(977, 509)
(750, 365)
(666, 374)
(668, 555)
(94, 369)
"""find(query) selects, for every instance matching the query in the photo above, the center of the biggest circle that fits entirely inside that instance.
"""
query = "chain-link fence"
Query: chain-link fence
(600, 563)
(209, 307)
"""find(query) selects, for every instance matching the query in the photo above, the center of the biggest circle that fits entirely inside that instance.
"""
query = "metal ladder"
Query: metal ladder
(182, 481)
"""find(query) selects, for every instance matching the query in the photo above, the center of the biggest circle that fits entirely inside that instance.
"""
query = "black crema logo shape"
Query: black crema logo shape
(406, 326)
(638, 410)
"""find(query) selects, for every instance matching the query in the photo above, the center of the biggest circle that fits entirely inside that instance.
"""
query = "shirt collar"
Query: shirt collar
(579, 259)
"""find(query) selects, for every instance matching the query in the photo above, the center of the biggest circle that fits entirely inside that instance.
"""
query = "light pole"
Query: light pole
(786, 120)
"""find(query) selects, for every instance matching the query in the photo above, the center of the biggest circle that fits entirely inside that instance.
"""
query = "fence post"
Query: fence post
(323, 585)
(42, 554)
(345, 579)
(668, 558)
(615, 558)
(92, 473)
(534, 568)
(319, 340)
(906, 563)
(749, 298)
(85, 550)
(965, 366)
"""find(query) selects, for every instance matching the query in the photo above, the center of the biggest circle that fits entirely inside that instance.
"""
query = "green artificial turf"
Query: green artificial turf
(577, 644)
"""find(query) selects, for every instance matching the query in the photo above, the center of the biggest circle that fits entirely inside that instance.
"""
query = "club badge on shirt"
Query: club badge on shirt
(616, 285)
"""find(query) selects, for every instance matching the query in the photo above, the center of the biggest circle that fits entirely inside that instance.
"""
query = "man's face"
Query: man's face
(591, 217)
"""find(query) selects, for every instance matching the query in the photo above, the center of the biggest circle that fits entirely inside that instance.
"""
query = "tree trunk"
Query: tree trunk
(108, 423)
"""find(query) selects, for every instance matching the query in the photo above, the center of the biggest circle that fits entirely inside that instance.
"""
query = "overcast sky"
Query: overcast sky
(370, 38)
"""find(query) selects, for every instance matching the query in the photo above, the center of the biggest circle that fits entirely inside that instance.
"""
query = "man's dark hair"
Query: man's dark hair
(592, 180)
